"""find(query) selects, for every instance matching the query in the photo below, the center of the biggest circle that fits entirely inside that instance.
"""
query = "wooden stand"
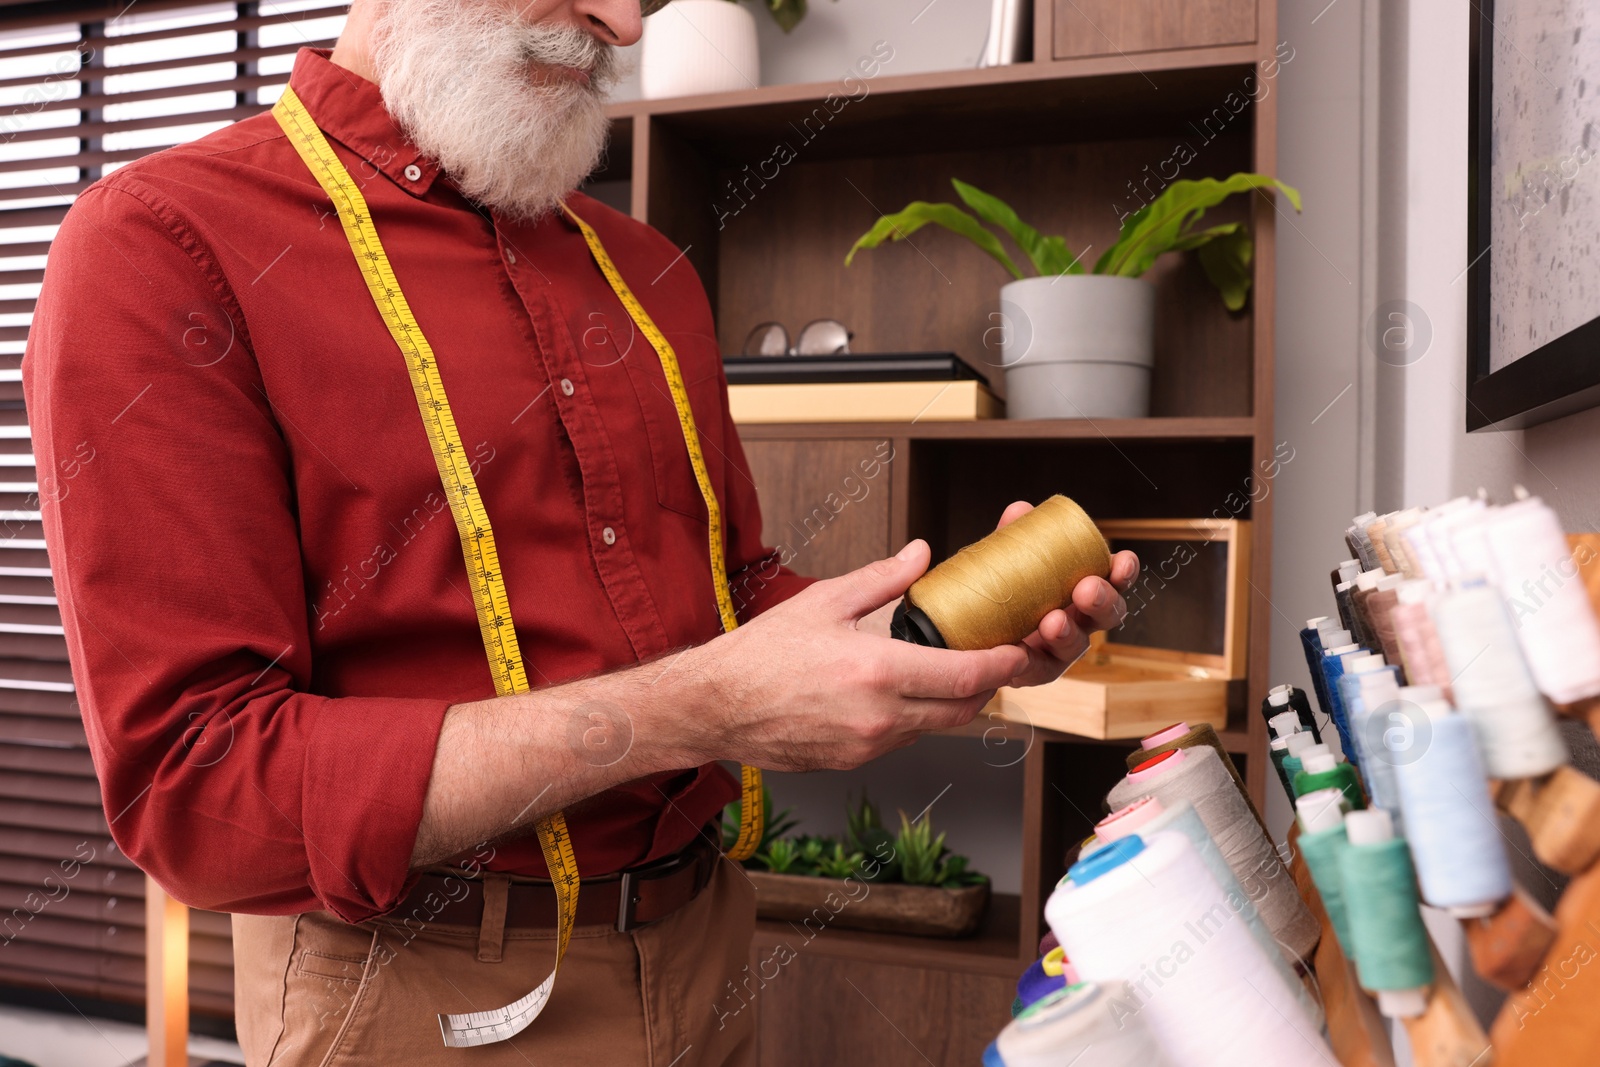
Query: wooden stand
(166, 963)
(1509, 946)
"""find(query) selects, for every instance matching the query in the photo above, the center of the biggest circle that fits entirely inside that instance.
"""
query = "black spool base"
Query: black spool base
(911, 624)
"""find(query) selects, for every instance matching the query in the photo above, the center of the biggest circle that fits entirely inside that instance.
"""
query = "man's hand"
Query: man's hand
(806, 686)
(1063, 635)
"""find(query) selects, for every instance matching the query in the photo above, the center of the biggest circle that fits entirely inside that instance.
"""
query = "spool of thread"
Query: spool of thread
(1451, 821)
(1419, 641)
(1196, 776)
(1380, 547)
(1380, 606)
(1441, 536)
(1369, 692)
(1394, 539)
(1089, 1025)
(1322, 770)
(1556, 624)
(1311, 643)
(1366, 584)
(1515, 729)
(1285, 723)
(1393, 956)
(1182, 735)
(1334, 662)
(994, 592)
(1322, 839)
(1277, 751)
(1474, 563)
(1360, 544)
(1148, 913)
(1286, 698)
(1424, 542)
(1298, 743)
(1344, 597)
(1146, 817)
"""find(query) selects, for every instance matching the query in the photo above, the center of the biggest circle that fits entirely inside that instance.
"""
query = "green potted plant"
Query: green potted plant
(706, 46)
(907, 882)
(1077, 341)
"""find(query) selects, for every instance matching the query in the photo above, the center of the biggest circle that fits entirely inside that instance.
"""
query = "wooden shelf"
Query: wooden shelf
(1101, 96)
(995, 949)
(1187, 429)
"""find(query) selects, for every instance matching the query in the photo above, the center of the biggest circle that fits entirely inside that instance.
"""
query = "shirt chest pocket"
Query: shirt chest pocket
(701, 363)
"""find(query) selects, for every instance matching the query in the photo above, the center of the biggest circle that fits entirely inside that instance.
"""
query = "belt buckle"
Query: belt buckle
(626, 901)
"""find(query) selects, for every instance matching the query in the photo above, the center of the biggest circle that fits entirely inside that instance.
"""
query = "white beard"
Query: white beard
(455, 75)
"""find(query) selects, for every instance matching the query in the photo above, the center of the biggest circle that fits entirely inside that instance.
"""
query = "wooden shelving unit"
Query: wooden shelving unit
(1066, 139)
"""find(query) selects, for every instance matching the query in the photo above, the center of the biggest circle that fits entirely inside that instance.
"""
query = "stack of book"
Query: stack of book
(897, 387)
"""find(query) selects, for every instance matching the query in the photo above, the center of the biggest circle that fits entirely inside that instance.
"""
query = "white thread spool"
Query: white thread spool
(1451, 823)
(1147, 816)
(1207, 989)
(1516, 732)
(1196, 776)
(1539, 579)
(1441, 536)
(1088, 1025)
(1471, 547)
(1349, 569)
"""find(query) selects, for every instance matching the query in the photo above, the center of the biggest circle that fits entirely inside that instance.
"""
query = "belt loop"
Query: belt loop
(491, 932)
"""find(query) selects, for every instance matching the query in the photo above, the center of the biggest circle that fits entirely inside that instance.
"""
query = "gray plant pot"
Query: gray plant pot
(1078, 346)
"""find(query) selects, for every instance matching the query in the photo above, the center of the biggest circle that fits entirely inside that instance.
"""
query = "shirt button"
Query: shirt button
(609, 536)
(566, 387)
(413, 173)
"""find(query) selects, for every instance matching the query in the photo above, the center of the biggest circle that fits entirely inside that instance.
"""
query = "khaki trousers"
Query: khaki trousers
(314, 991)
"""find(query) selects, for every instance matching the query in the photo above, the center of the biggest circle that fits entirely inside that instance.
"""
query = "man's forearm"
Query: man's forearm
(501, 764)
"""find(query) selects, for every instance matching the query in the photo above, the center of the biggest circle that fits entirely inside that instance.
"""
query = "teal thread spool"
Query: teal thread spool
(1393, 955)
(1321, 770)
(1322, 840)
(1298, 743)
(1279, 751)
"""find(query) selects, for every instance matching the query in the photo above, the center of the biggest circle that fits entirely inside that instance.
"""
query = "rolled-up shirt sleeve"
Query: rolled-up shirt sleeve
(169, 514)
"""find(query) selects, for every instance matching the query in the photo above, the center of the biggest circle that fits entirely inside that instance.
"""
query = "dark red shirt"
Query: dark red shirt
(263, 593)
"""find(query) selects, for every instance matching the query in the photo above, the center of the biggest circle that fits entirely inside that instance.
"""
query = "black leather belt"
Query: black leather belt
(627, 899)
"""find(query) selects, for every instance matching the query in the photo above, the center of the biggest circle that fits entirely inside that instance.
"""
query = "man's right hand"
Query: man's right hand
(805, 687)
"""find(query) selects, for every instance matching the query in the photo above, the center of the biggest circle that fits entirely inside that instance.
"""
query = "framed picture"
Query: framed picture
(1533, 306)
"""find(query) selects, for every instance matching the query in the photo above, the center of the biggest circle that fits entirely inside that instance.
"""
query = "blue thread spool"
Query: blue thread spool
(1334, 661)
(1367, 687)
(1450, 819)
(1311, 642)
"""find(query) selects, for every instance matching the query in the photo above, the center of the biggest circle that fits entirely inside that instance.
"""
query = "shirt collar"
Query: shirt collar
(350, 109)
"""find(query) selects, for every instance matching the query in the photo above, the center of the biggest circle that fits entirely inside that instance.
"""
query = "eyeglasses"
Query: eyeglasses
(821, 337)
(650, 7)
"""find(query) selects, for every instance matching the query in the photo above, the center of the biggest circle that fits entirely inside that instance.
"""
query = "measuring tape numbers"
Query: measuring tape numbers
(484, 573)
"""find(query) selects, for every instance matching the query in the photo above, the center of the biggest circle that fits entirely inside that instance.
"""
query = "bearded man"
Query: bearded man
(277, 635)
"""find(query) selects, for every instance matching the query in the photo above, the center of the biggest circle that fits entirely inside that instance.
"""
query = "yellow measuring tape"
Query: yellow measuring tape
(477, 536)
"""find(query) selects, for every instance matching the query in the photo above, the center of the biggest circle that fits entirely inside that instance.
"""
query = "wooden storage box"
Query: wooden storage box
(1174, 657)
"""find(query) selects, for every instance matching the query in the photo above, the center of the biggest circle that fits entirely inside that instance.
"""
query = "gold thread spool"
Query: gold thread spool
(995, 591)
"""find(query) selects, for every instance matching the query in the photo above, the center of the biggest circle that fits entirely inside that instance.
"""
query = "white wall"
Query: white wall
(936, 35)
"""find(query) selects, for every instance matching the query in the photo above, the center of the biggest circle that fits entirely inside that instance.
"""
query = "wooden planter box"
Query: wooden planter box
(893, 908)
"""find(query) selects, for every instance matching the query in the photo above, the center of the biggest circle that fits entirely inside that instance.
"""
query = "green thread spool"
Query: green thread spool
(1322, 842)
(1390, 945)
(1320, 770)
(995, 591)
